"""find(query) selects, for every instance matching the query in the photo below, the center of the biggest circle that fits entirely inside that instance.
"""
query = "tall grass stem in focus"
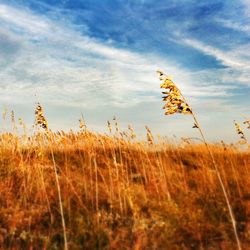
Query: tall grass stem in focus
(176, 103)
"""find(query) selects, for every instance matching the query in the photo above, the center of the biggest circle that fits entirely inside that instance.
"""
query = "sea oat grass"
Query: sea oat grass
(176, 103)
(126, 195)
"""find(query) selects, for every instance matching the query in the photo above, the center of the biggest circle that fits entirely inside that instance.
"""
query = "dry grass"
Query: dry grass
(176, 103)
(119, 193)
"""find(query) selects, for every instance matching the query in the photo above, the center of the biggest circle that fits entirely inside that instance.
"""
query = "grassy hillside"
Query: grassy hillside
(119, 193)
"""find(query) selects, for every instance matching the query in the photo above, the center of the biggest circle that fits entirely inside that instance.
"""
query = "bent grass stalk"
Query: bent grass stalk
(176, 103)
(221, 183)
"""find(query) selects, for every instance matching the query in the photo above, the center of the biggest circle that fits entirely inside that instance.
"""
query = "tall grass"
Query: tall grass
(176, 103)
(84, 190)
(119, 193)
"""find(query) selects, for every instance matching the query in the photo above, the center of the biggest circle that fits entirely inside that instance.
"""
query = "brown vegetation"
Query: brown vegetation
(119, 193)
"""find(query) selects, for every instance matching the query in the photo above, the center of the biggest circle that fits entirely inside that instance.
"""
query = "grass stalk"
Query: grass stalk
(176, 103)
(220, 181)
(60, 200)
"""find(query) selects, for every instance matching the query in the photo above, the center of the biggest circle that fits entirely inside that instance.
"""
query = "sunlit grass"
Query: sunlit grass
(119, 193)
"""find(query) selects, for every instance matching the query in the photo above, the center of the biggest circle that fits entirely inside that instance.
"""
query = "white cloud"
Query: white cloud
(21, 20)
(60, 65)
(235, 25)
(225, 57)
(246, 5)
(237, 61)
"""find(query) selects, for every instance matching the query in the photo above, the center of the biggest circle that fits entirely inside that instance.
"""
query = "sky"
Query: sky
(99, 58)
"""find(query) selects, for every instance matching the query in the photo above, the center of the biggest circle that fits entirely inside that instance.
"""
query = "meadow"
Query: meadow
(118, 192)
(86, 190)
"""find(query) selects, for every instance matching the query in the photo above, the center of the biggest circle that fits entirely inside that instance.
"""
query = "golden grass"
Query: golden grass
(176, 103)
(119, 193)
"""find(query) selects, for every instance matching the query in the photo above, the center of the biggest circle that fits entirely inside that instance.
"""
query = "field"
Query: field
(114, 191)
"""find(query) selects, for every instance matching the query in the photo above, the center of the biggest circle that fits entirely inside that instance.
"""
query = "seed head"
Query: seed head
(239, 131)
(132, 132)
(40, 118)
(247, 122)
(195, 125)
(82, 124)
(4, 113)
(109, 127)
(175, 102)
(12, 115)
(150, 137)
(117, 129)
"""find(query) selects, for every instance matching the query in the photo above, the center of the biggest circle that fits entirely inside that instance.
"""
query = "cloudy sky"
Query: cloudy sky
(99, 57)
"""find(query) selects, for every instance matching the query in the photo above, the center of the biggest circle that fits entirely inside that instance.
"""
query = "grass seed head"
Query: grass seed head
(247, 122)
(12, 116)
(195, 125)
(82, 124)
(175, 102)
(132, 132)
(109, 127)
(4, 114)
(40, 118)
(150, 137)
(239, 131)
(117, 128)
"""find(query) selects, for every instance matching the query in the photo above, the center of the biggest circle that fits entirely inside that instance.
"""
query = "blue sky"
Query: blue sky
(99, 57)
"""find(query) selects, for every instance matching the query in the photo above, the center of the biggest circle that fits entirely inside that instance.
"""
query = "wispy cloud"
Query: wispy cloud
(236, 61)
(62, 62)
(235, 25)
(218, 54)
(13, 16)
(61, 65)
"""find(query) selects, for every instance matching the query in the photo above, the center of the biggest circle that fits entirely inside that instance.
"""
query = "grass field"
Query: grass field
(119, 193)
